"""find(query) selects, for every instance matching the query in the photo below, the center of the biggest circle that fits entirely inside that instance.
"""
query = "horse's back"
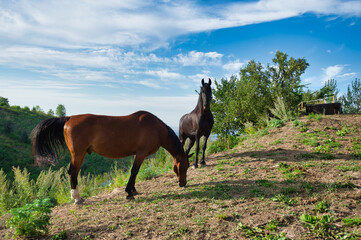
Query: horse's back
(114, 136)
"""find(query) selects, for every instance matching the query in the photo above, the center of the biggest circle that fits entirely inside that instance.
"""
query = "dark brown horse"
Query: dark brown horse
(140, 134)
(198, 123)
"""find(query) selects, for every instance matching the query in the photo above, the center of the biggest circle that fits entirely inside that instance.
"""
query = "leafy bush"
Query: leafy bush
(31, 219)
(276, 123)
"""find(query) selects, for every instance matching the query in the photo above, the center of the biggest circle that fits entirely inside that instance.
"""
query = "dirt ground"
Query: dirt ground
(258, 190)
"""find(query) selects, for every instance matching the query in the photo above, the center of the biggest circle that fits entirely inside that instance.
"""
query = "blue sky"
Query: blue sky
(116, 57)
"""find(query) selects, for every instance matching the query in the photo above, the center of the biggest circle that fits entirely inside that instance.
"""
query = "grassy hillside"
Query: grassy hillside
(16, 125)
(299, 181)
(15, 147)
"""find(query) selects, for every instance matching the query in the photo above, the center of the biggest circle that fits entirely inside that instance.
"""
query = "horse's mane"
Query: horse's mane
(174, 141)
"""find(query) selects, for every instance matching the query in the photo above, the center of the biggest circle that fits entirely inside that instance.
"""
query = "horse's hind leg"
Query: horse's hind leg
(73, 171)
(203, 162)
(130, 188)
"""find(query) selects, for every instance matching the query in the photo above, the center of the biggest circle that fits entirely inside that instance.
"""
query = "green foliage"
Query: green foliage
(4, 102)
(351, 101)
(290, 172)
(5, 193)
(224, 116)
(321, 206)
(286, 78)
(352, 221)
(257, 92)
(284, 199)
(32, 219)
(51, 112)
(276, 123)
(319, 226)
(280, 110)
(60, 236)
(316, 117)
(260, 233)
(328, 146)
(249, 128)
(342, 132)
(60, 110)
(23, 187)
(325, 93)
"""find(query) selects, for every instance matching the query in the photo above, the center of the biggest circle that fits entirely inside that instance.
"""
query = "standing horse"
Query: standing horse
(198, 123)
(140, 134)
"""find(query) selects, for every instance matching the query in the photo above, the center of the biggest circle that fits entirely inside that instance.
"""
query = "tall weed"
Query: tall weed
(5, 194)
(23, 187)
(280, 110)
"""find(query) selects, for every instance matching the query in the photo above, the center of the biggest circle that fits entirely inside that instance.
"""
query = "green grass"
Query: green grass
(313, 116)
(353, 166)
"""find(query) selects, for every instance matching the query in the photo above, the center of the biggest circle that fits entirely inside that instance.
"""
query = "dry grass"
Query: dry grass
(275, 178)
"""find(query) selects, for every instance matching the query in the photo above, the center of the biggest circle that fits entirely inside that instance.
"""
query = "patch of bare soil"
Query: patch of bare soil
(267, 181)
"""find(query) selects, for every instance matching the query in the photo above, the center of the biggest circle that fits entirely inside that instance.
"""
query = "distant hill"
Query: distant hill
(16, 125)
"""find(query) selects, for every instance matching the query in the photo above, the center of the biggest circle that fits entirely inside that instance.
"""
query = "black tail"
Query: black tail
(48, 140)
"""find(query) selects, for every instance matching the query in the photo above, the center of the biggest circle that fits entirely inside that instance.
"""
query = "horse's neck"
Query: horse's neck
(172, 144)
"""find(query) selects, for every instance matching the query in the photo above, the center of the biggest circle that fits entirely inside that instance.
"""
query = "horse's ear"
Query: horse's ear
(209, 81)
(190, 155)
(202, 81)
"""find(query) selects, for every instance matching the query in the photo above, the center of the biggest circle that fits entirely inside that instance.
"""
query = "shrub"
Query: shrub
(276, 123)
(31, 219)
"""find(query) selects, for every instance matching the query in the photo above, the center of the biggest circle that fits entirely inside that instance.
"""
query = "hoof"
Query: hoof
(130, 197)
(79, 201)
(135, 192)
(195, 166)
(203, 164)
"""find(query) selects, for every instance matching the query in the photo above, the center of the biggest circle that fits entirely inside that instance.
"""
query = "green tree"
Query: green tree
(225, 123)
(51, 112)
(253, 96)
(326, 92)
(351, 101)
(37, 108)
(286, 79)
(60, 110)
(4, 102)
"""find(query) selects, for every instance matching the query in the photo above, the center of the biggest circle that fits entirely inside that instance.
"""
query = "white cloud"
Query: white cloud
(234, 66)
(332, 71)
(84, 23)
(194, 58)
(165, 74)
(337, 72)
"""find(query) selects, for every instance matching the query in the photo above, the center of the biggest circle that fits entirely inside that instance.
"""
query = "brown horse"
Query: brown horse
(140, 134)
(198, 123)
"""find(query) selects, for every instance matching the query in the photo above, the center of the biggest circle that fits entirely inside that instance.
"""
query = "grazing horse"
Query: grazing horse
(198, 123)
(140, 134)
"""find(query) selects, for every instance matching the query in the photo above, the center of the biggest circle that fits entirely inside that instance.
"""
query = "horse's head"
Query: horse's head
(180, 167)
(206, 94)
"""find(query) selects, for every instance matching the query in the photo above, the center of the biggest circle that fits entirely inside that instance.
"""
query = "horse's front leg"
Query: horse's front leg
(203, 161)
(197, 150)
(130, 188)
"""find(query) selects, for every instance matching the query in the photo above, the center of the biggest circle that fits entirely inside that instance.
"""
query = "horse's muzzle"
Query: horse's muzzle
(183, 183)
